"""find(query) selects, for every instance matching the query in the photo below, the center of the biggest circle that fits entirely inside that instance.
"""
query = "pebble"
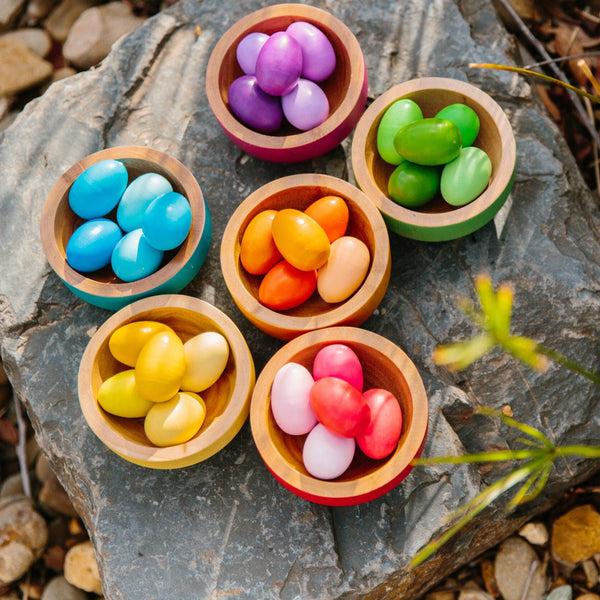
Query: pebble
(35, 38)
(518, 571)
(591, 573)
(96, 30)
(61, 18)
(562, 592)
(535, 533)
(576, 534)
(81, 568)
(9, 11)
(59, 588)
(23, 537)
(38, 9)
(20, 67)
(11, 485)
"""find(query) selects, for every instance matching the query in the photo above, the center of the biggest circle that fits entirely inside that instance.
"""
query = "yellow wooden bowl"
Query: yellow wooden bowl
(436, 221)
(385, 366)
(227, 401)
(103, 288)
(299, 191)
(346, 89)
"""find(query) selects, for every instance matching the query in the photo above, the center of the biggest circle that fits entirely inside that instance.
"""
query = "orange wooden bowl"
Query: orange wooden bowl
(385, 366)
(103, 288)
(346, 89)
(299, 191)
(436, 221)
(227, 401)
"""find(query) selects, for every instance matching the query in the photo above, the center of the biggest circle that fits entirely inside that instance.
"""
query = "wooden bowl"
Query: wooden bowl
(103, 288)
(346, 89)
(299, 191)
(227, 401)
(385, 366)
(436, 221)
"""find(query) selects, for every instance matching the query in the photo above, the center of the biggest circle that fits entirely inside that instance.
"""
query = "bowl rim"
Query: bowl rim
(334, 492)
(487, 203)
(236, 130)
(119, 290)
(369, 293)
(220, 432)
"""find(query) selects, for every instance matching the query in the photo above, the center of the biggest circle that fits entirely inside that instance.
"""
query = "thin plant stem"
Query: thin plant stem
(568, 364)
(21, 450)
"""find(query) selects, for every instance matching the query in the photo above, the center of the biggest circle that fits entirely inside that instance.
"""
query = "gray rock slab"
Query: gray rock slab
(225, 528)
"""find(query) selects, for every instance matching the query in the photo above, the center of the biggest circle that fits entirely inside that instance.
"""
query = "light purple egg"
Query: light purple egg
(306, 106)
(248, 49)
(318, 55)
(253, 107)
(279, 64)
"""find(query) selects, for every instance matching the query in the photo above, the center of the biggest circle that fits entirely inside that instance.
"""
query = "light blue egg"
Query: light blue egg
(134, 258)
(167, 221)
(136, 198)
(91, 245)
(98, 189)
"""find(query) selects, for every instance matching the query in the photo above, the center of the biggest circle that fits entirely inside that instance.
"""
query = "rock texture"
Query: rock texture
(225, 528)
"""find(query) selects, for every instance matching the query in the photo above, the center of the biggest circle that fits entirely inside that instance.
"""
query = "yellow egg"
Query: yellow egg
(300, 239)
(175, 421)
(345, 270)
(127, 341)
(119, 396)
(206, 356)
(160, 367)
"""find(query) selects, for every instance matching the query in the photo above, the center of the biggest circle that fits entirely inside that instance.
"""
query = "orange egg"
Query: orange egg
(285, 287)
(300, 239)
(331, 213)
(258, 252)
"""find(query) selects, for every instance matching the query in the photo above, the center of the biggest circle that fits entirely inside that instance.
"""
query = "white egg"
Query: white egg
(290, 399)
(325, 454)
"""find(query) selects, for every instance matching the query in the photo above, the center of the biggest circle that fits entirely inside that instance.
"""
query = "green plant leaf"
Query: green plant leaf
(459, 355)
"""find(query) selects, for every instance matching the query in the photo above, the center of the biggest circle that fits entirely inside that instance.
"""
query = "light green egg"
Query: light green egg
(397, 115)
(465, 118)
(466, 177)
(413, 185)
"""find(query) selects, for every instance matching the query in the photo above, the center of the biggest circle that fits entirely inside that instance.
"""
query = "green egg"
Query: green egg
(465, 178)
(397, 115)
(465, 118)
(430, 141)
(413, 185)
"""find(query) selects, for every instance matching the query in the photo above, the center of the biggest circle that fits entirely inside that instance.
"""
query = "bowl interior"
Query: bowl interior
(431, 101)
(66, 221)
(335, 87)
(300, 197)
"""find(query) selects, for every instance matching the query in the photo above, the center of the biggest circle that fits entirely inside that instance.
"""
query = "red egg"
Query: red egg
(338, 360)
(380, 438)
(284, 287)
(279, 64)
(339, 406)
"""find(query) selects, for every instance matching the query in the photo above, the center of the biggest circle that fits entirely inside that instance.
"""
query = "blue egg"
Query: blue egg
(167, 221)
(134, 258)
(136, 198)
(91, 245)
(98, 189)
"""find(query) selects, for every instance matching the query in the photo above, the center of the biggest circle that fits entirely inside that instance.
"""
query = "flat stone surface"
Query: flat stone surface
(225, 528)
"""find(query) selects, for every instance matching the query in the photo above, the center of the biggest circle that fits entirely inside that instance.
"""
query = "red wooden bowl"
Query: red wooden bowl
(346, 89)
(385, 366)
(436, 221)
(299, 191)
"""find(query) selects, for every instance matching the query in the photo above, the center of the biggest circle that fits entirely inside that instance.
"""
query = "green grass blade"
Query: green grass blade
(526, 429)
(477, 457)
(583, 451)
(523, 492)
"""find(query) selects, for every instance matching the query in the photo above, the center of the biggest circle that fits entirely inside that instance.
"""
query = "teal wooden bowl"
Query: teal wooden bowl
(103, 288)
(436, 221)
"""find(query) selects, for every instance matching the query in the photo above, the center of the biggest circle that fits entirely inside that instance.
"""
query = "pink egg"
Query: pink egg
(325, 454)
(338, 360)
(290, 399)
(380, 438)
(318, 55)
(252, 106)
(248, 49)
(279, 64)
(306, 105)
(339, 406)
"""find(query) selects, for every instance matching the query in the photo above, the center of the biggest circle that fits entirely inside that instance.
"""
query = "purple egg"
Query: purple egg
(279, 64)
(248, 49)
(318, 55)
(253, 107)
(306, 106)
